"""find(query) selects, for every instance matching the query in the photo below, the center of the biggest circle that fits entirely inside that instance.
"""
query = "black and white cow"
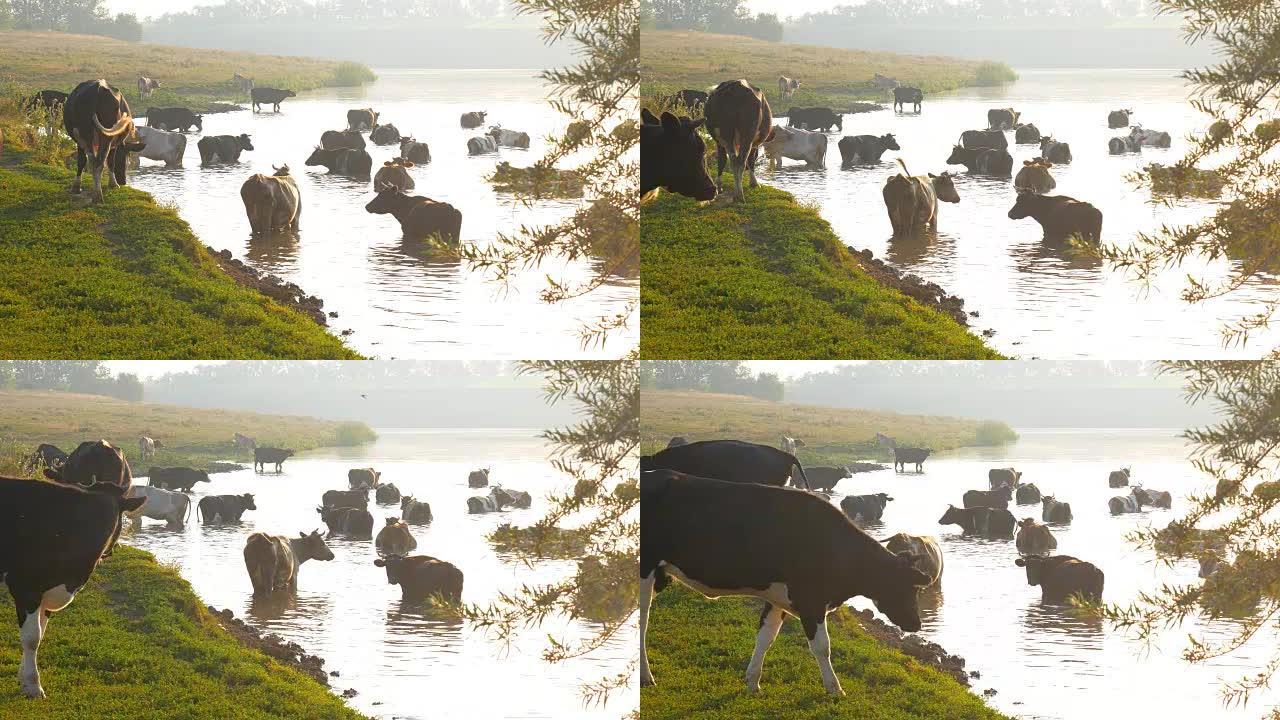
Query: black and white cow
(1154, 498)
(867, 508)
(1121, 504)
(729, 460)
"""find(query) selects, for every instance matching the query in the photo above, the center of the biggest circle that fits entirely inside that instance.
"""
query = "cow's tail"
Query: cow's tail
(800, 468)
(199, 514)
(187, 517)
(903, 165)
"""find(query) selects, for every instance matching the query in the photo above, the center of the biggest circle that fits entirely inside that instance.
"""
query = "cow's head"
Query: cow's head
(247, 500)
(1034, 565)
(393, 521)
(677, 151)
(895, 590)
(952, 515)
(1025, 205)
(320, 156)
(944, 187)
(1004, 492)
(279, 172)
(94, 466)
(288, 93)
(1027, 523)
(313, 547)
(202, 476)
(890, 141)
(394, 564)
(243, 141)
(959, 155)
(406, 501)
(388, 200)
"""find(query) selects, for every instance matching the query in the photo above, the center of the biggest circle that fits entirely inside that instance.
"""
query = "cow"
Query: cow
(790, 444)
(362, 119)
(884, 82)
(985, 161)
(161, 145)
(904, 95)
(826, 478)
(415, 512)
(1055, 511)
(912, 200)
(52, 535)
(172, 507)
(1034, 177)
(276, 456)
(352, 522)
(743, 538)
(1027, 134)
(339, 139)
(1058, 153)
(419, 217)
(385, 135)
(45, 456)
(346, 498)
(363, 478)
(740, 121)
(1118, 119)
(856, 149)
(811, 147)
(904, 455)
(481, 144)
(481, 504)
(147, 447)
(867, 508)
(478, 478)
(415, 152)
(473, 119)
(672, 156)
(787, 86)
(1154, 138)
(1002, 118)
(387, 493)
(1154, 498)
(677, 441)
(1059, 216)
(817, 118)
(244, 84)
(1209, 564)
(1122, 145)
(514, 498)
(343, 161)
(273, 560)
(996, 499)
(175, 118)
(1034, 538)
(51, 100)
(509, 138)
(1062, 576)
(1121, 504)
(1118, 478)
(395, 173)
(394, 538)
(97, 118)
(272, 202)
(421, 576)
(988, 522)
(224, 508)
(146, 86)
(993, 139)
(728, 460)
(1027, 494)
(692, 100)
(224, 148)
(176, 478)
(1003, 477)
(269, 96)
(925, 550)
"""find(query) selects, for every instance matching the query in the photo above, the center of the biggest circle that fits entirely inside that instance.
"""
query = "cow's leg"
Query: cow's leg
(752, 156)
(770, 623)
(721, 156)
(815, 628)
(646, 599)
(80, 161)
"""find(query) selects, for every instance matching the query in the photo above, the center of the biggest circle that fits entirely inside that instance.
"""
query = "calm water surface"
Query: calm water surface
(1044, 664)
(1040, 300)
(404, 663)
(398, 297)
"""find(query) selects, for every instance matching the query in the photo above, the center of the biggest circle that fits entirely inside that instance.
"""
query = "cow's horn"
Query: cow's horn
(121, 125)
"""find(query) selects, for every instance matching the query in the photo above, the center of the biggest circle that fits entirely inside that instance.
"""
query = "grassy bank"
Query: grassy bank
(672, 60)
(192, 436)
(769, 278)
(138, 643)
(125, 278)
(832, 435)
(189, 77)
(699, 648)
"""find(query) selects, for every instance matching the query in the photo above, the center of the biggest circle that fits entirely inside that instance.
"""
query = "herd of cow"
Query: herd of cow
(97, 118)
(738, 118)
(52, 534)
(750, 544)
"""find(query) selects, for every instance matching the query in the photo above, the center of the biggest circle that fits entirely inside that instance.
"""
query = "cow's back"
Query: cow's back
(738, 115)
(728, 460)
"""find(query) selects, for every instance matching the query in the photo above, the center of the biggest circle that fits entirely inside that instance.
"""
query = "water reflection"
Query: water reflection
(275, 251)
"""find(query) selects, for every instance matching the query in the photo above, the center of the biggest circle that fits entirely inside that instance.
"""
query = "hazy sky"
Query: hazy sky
(153, 8)
(147, 369)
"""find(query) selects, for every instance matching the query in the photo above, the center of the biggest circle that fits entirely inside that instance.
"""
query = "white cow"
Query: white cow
(168, 147)
(244, 442)
(789, 444)
(172, 507)
(797, 144)
(147, 447)
(1154, 138)
(481, 144)
(509, 138)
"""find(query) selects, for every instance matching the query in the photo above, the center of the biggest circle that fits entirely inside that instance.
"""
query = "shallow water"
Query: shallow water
(1044, 663)
(400, 298)
(1042, 301)
(403, 662)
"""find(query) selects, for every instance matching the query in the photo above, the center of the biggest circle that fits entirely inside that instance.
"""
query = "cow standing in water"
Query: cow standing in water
(739, 119)
(904, 455)
(277, 456)
(273, 560)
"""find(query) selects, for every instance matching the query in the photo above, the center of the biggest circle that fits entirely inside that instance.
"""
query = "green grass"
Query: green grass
(190, 77)
(832, 436)
(138, 643)
(672, 60)
(192, 436)
(769, 278)
(699, 648)
(125, 278)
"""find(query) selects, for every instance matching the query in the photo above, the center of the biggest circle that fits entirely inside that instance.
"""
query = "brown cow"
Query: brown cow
(740, 121)
(273, 560)
(96, 116)
(1034, 176)
(146, 85)
(1034, 538)
(420, 575)
(394, 538)
(1060, 216)
(419, 217)
(395, 173)
(912, 200)
(272, 202)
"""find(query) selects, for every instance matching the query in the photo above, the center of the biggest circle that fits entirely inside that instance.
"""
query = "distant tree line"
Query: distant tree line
(986, 13)
(89, 17)
(293, 11)
(732, 377)
(79, 376)
(730, 17)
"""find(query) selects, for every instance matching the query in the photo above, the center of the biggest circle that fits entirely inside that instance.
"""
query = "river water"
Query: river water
(398, 297)
(1042, 302)
(1044, 663)
(403, 662)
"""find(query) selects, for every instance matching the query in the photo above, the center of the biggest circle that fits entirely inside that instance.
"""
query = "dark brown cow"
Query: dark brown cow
(1061, 576)
(97, 118)
(419, 217)
(420, 576)
(740, 121)
(1060, 216)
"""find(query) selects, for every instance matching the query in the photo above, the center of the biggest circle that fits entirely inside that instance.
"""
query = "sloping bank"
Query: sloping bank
(769, 278)
(127, 278)
(699, 648)
(139, 643)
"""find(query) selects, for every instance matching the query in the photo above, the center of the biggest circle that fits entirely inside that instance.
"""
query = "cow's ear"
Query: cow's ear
(917, 578)
(54, 475)
(932, 175)
(380, 562)
(648, 117)
(131, 504)
(670, 122)
(408, 164)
